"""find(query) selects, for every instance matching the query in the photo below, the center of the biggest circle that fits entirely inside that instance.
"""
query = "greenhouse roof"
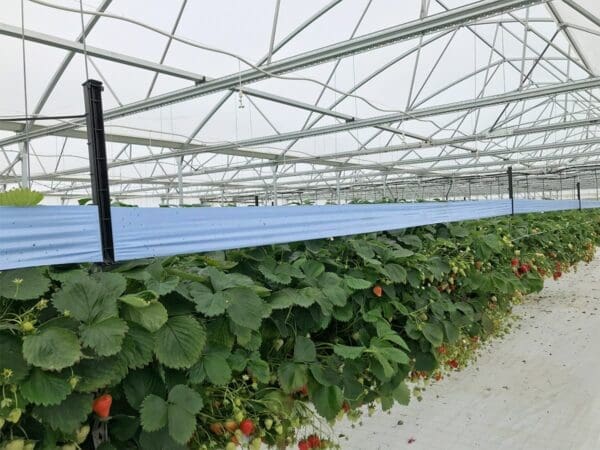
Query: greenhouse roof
(230, 99)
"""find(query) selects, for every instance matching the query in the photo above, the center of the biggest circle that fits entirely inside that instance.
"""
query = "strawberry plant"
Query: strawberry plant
(262, 346)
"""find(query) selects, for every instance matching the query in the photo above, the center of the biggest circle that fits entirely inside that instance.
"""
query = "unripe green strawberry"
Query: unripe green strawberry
(73, 381)
(29, 446)
(82, 434)
(15, 444)
(255, 444)
(14, 415)
(238, 416)
(277, 344)
(2, 422)
(69, 446)
(268, 423)
(27, 326)
(230, 446)
(279, 429)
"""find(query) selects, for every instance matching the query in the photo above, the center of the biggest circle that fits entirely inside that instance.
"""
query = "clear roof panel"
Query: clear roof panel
(227, 100)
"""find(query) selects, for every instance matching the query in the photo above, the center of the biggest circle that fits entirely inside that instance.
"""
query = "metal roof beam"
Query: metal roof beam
(449, 19)
(78, 47)
(554, 89)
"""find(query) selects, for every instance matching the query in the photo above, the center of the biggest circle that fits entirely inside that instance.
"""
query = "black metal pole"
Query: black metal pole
(256, 200)
(92, 92)
(579, 194)
(511, 191)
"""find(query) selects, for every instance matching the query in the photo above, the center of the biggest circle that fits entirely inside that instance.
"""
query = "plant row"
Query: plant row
(266, 346)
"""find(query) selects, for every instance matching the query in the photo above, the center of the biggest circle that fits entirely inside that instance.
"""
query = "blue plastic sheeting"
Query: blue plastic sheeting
(44, 235)
(69, 234)
(526, 206)
(143, 232)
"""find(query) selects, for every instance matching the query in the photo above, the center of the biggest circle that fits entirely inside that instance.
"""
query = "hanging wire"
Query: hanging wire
(240, 92)
(85, 55)
(24, 162)
(238, 57)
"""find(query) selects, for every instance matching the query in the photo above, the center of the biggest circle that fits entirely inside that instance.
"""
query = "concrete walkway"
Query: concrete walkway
(537, 388)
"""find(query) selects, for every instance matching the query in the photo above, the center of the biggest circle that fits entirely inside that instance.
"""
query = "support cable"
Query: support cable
(25, 150)
(85, 55)
(233, 55)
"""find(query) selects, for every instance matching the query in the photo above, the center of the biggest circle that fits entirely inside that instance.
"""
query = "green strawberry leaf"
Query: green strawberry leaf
(153, 413)
(24, 284)
(105, 336)
(357, 284)
(246, 308)
(45, 388)
(138, 346)
(178, 413)
(292, 376)
(139, 300)
(402, 394)
(96, 374)
(52, 348)
(348, 352)
(210, 304)
(304, 350)
(180, 341)
(159, 440)
(68, 415)
(87, 300)
(291, 297)
(140, 383)
(396, 273)
(184, 404)
(217, 368)
(151, 317)
(328, 400)
(221, 280)
(434, 333)
(259, 369)
(11, 358)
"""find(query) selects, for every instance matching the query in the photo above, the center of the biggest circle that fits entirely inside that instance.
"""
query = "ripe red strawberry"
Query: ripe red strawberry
(303, 391)
(453, 363)
(514, 262)
(247, 427)
(303, 445)
(557, 275)
(101, 406)
(314, 441)
(346, 407)
(217, 428)
(441, 350)
(231, 425)
(377, 291)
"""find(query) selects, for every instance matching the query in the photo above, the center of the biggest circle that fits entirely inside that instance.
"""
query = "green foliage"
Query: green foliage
(53, 348)
(20, 197)
(177, 413)
(186, 343)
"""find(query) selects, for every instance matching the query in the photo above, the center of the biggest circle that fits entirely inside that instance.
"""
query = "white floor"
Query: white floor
(538, 388)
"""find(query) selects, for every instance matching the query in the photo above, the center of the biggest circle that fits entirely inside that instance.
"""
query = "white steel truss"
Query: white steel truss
(416, 108)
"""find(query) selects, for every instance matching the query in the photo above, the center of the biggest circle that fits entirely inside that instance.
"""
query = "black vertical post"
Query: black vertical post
(511, 193)
(579, 194)
(256, 200)
(92, 92)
